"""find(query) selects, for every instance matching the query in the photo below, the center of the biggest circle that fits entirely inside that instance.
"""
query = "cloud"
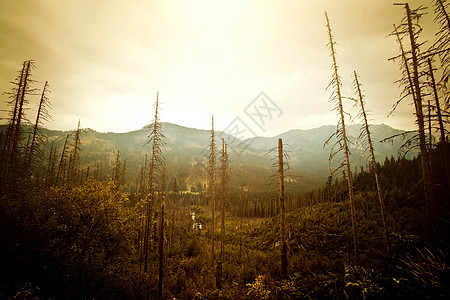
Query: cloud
(105, 60)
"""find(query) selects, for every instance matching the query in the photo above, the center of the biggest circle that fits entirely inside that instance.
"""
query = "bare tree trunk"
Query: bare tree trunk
(424, 158)
(212, 186)
(16, 133)
(155, 162)
(281, 199)
(40, 114)
(6, 151)
(74, 162)
(161, 235)
(375, 168)
(63, 156)
(337, 84)
(116, 169)
(224, 167)
(441, 124)
(240, 225)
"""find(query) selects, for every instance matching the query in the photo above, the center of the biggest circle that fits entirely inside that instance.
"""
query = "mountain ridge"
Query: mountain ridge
(250, 159)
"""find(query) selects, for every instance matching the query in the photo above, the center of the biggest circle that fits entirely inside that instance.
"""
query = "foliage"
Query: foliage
(69, 240)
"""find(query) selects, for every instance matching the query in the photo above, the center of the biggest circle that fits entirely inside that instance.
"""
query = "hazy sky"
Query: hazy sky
(106, 59)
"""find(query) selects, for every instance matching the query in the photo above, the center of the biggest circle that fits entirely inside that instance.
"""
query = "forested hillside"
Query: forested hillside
(186, 157)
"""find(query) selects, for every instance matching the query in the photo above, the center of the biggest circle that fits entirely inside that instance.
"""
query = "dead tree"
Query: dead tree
(122, 174)
(282, 210)
(412, 30)
(61, 166)
(50, 176)
(440, 121)
(42, 116)
(74, 162)
(155, 137)
(212, 187)
(14, 135)
(15, 99)
(340, 134)
(442, 44)
(366, 133)
(116, 169)
(241, 214)
(223, 185)
(161, 233)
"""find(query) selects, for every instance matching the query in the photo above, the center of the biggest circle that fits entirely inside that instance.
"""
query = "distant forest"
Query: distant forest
(377, 231)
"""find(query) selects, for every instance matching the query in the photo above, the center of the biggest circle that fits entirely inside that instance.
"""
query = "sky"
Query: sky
(105, 61)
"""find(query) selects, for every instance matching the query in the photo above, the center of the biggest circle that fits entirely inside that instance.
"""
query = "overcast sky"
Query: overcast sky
(106, 59)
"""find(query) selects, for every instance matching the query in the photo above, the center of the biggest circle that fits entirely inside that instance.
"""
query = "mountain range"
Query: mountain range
(251, 159)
